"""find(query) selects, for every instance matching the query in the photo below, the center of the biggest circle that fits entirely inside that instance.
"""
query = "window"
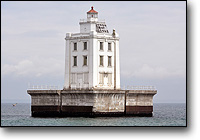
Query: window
(101, 45)
(75, 60)
(75, 46)
(109, 46)
(101, 78)
(84, 60)
(109, 78)
(109, 61)
(85, 78)
(101, 60)
(73, 78)
(85, 46)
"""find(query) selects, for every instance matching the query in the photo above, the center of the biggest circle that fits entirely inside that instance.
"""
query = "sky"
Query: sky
(152, 44)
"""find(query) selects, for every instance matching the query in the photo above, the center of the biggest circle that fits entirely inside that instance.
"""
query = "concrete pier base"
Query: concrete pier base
(91, 103)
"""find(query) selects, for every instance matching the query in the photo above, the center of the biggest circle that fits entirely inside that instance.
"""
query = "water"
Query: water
(164, 115)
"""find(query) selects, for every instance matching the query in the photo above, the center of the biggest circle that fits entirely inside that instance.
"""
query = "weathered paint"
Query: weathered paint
(109, 102)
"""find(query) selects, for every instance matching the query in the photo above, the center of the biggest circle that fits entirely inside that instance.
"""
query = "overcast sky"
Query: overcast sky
(152, 44)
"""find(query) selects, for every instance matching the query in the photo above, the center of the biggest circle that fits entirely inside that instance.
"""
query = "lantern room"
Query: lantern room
(92, 15)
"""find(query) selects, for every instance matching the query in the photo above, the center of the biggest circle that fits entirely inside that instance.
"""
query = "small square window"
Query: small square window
(75, 46)
(101, 45)
(85, 46)
(109, 46)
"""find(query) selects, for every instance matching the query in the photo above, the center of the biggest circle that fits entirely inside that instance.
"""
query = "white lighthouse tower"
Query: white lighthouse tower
(92, 56)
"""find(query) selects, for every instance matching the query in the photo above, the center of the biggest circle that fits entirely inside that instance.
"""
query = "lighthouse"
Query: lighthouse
(92, 56)
(92, 78)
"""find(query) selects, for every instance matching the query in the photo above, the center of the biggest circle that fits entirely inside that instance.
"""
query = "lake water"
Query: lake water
(164, 115)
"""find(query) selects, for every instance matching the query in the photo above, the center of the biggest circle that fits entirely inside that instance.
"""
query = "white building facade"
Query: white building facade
(92, 56)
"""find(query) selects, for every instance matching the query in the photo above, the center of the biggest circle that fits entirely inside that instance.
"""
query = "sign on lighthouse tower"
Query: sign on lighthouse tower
(92, 56)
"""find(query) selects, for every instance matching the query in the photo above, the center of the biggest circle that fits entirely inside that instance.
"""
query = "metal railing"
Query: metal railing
(138, 88)
(53, 87)
(99, 20)
(43, 87)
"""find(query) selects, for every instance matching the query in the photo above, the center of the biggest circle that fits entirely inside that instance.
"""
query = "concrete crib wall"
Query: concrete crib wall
(140, 102)
(45, 103)
(92, 102)
(109, 102)
(45, 100)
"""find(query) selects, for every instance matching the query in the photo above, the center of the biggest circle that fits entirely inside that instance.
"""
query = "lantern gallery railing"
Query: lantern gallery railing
(99, 20)
(43, 87)
(138, 88)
